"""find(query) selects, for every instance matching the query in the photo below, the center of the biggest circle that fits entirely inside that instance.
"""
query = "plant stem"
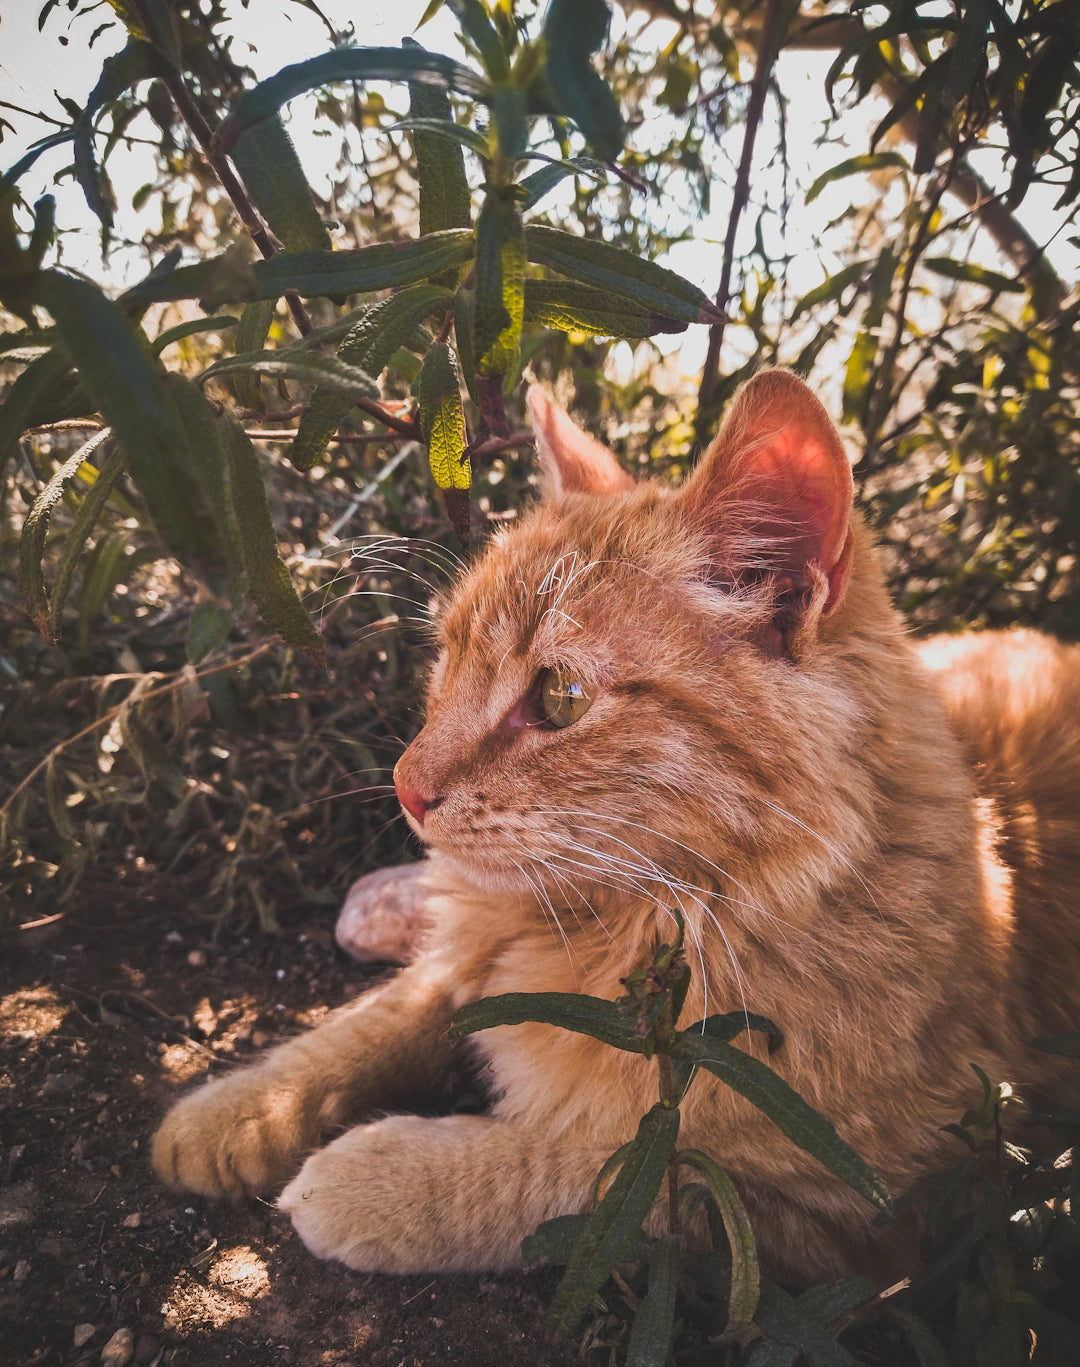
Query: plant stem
(767, 46)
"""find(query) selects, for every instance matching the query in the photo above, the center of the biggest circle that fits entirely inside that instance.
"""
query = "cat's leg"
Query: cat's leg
(456, 1193)
(245, 1131)
(382, 918)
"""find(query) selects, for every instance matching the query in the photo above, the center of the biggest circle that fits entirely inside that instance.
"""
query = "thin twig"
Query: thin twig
(353, 438)
(768, 44)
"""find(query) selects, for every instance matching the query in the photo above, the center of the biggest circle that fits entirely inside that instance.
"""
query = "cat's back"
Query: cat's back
(1013, 698)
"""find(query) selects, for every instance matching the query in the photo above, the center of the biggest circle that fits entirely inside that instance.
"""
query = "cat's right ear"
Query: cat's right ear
(571, 462)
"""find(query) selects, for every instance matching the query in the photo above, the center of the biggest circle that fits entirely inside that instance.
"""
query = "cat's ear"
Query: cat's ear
(775, 486)
(571, 461)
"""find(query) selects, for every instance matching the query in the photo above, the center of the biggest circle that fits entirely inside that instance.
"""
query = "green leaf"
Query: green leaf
(83, 524)
(208, 628)
(27, 395)
(443, 131)
(508, 114)
(369, 345)
(268, 578)
(553, 1242)
(868, 161)
(500, 282)
(251, 336)
(382, 266)
(787, 1320)
(275, 181)
(582, 308)
(923, 1342)
(346, 64)
(616, 1223)
(207, 492)
(445, 201)
(977, 275)
(308, 366)
(442, 418)
(1067, 1044)
(129, 387)
(785, 1108)
(595, 263)
(35, 530)
(573, 31)
(653, 1330)
(723, 1029)
(227, 278)
(568, 1010)
(189, 329)
(859, 374)
(831, 288)
(745, 1270)
(477, 27)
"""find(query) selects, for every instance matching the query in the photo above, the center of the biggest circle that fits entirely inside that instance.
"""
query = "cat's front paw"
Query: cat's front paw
(236, 1135)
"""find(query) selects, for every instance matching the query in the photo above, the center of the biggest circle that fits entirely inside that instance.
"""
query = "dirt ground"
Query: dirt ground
(106, 1012)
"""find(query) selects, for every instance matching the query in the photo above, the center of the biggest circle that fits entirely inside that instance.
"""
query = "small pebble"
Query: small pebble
(119, 1350)
(259, 1038)
(132, 1221)
(83, 1333)
(196, 959)
(22, 1271)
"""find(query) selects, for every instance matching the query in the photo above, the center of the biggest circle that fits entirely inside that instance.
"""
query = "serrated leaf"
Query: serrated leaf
(35, 530)
(852, 166)
(268, 578)
(724, 1028)
(347, 64)
(275, 181)
(443, 131)
(224, 279)
(745, 1270)
(616, 1223)
(206, 488)
(499, 300)
(785, 1108)
(382, 266)
(612, 268)
(368, 345)
(654, 1321)
(442, 418)
(553, 1242)
(784, 1319)
(977, 275)
(568, 1010)
(582, 308)
(573, 31)
(28, 393)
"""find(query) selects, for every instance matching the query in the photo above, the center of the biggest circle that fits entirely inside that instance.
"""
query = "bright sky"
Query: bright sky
(33, 65)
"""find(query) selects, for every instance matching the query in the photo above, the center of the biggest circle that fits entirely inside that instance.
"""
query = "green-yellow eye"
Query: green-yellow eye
(563, 697)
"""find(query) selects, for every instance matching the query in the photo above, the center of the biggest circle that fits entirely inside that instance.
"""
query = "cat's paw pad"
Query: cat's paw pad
(233, 1136)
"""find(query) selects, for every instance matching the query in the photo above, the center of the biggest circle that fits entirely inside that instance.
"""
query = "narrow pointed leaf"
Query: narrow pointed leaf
(382, 266)
(785, 1108)
(481, 32)
(611, 268)
(554, 1240)
(251, 336)
(27, 396)
(440, 132)
(569, 1010)
(1067, 1044)
(723, 1029)
(207, 488)
(583, 308)
(347, 64)
(745, 1270)
(785, 1320)
(445, 201)
(865, 163)
(36, 528)
(616, 1223)
(442, 418)
(83, 524)
(369, 345)
(268, 578)
(977, 275)
(499, 304)
(191, 328)
(573, 31)
(308, 366)
(654, 1323)
(223, 279)
(275, 181)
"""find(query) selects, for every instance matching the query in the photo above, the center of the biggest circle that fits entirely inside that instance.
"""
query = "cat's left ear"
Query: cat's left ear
(571, 461)
(775, 488)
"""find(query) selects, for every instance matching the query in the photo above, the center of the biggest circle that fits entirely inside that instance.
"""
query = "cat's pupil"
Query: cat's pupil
(563, 698)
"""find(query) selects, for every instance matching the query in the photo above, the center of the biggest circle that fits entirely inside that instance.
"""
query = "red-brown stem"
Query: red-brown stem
(768, 43)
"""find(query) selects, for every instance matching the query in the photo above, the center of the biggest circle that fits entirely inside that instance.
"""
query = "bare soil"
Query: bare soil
(106, 1012)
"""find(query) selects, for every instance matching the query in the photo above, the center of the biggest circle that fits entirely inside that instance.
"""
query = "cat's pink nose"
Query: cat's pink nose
(413, 800)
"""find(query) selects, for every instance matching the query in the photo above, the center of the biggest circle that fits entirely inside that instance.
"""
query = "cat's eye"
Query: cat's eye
(564, 697)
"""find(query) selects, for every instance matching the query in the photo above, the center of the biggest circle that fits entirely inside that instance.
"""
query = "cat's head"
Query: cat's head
(634, 678)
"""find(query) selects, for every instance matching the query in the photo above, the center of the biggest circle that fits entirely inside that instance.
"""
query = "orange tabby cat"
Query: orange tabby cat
(701, 698)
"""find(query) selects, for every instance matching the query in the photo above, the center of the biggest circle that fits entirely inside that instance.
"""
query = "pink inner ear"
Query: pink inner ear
(779, 458)
(572, 461)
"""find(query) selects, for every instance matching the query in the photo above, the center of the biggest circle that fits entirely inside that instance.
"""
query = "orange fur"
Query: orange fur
(877, 854)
